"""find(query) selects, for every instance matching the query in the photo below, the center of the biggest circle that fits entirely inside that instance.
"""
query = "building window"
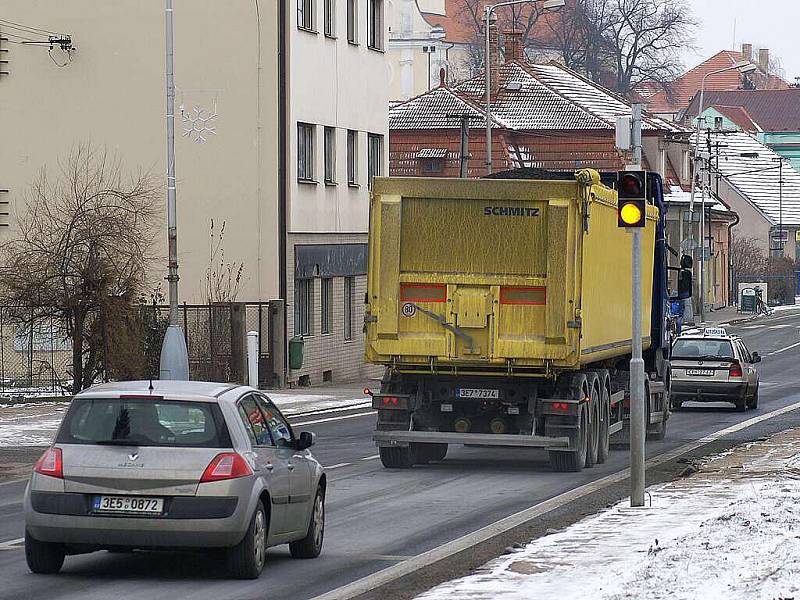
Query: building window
(352, 157)
(330, 155)
(352, 21)
(303, 300)
(305, 151)
(374, 155)
(375, 24)
(348, 308)
(326, 304)
(432, 165)
(305, 14)
(330, 18)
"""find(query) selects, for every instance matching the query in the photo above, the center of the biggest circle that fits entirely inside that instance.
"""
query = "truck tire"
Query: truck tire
(572, 461)
(397, 457)
(605, 422)
(593, 411)
(659, 430)
(425, 453)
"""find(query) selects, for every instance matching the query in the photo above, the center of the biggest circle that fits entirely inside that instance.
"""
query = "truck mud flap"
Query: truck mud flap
(403, 438)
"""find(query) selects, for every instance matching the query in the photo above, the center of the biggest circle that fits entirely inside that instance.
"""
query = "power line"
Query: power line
(14, 35)
(24, 27)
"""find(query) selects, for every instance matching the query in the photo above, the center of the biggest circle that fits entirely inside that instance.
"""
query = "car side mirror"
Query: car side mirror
(306, 440)
(756, 357)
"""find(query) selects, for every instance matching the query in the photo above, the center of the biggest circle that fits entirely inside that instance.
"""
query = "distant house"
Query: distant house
(669, 102)
(771, 116)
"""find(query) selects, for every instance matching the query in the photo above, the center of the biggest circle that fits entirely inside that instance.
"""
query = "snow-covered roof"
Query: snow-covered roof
(755, 176)
(439, 108)
(677, 196)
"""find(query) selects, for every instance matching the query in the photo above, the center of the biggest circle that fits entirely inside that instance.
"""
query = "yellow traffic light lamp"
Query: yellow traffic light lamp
(632, 198)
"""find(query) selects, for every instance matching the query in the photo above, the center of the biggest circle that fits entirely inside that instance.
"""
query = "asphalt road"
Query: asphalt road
(377, 518)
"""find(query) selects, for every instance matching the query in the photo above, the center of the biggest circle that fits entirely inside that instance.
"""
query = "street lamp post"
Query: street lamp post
(744, 66)
(488, 14)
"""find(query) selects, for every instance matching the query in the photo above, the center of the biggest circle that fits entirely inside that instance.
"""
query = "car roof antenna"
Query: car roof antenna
(151, 385)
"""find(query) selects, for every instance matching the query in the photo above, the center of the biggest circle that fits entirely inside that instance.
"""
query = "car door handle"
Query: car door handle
(290, 466)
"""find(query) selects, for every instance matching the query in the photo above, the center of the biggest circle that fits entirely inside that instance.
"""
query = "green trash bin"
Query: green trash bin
(296, 352)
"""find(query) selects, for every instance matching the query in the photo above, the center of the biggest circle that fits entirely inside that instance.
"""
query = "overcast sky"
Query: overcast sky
(773, 24)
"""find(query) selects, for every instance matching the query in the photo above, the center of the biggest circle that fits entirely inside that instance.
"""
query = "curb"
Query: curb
(16, 400)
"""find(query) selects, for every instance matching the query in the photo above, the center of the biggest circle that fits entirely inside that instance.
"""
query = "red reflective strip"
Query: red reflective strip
(420, 292)
(530, 296)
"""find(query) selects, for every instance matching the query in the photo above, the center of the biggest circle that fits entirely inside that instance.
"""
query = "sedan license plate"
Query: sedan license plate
(702, 372)
(480, 394)
(128, 504)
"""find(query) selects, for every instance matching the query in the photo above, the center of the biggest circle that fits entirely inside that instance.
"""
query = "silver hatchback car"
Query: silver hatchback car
(175, 465)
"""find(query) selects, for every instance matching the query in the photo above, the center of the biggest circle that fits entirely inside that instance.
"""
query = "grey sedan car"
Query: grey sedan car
(175, 465)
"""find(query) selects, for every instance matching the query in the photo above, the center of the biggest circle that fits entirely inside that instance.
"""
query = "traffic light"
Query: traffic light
(632, 198)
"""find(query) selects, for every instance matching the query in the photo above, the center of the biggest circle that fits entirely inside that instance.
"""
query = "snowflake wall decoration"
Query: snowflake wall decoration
(199, 123)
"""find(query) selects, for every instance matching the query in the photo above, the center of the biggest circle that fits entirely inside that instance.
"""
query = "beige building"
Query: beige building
(280, 123)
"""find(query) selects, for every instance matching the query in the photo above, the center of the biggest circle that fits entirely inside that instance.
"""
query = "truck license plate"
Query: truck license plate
(129, 504)
(480, 394)
(703, 372)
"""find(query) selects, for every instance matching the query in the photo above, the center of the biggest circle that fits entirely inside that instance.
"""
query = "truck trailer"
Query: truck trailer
(501, 311)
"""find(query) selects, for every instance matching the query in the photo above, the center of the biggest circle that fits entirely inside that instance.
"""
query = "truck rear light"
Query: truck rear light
(735, 370)
(531, 296)
(389, 402)
(226, 465)
(421, 292)
(50, 464)
(560, 406)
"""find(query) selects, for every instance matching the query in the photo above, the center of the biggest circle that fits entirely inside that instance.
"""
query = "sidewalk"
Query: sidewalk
(728, 532)
(729, 315)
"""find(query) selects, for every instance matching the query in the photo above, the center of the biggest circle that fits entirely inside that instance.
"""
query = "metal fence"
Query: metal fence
(36, 354)
(781, 289)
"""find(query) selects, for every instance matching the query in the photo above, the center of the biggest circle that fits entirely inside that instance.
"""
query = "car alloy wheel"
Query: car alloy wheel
(259, 539)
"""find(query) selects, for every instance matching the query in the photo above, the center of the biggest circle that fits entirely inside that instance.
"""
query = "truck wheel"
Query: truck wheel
(426, 453)
(397, 457)
(659, 430)
(593, 432)
(605, 421)
(572, 461)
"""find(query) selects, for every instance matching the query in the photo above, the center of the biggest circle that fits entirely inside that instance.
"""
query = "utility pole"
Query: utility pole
(637, 363)
(174, 356)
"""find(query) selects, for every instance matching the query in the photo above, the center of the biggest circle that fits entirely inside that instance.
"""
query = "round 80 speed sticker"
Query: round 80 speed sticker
(409, 309)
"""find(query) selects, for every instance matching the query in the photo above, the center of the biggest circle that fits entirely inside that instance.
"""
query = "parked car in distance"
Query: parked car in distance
(712, 366)
(175, 465)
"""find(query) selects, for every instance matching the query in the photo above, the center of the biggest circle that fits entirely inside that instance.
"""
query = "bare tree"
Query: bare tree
(222, 278)
(81, 251)
(747, 257)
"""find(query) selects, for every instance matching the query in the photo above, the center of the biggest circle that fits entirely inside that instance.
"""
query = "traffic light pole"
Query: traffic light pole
(637, 424)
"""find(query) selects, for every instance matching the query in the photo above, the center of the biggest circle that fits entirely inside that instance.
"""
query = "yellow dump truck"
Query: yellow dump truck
(501, 309)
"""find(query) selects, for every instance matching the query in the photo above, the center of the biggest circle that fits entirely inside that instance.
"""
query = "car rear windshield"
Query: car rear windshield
(144, 422)
(696, 349)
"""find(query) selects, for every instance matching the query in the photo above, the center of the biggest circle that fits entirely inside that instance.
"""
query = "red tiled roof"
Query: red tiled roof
(739, 116)
(461, 27)
(770, 110)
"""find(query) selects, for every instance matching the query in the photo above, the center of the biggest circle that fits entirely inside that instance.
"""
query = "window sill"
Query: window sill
(331, 36)
(308, 181)
(353, 185)
(330, 183)
(374, 49)
(307, 30)
(352, 43)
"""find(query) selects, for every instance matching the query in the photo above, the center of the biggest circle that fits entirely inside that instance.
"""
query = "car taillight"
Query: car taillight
(50, 464)
(226, 465)
(735, 370)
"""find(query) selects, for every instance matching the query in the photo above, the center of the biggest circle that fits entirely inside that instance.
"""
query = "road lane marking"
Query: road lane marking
(13, 481)
(11, 544)
(324, 411)
(784, 349)
(337, 466)
(371, 457)
(389, 574)
(372, 412)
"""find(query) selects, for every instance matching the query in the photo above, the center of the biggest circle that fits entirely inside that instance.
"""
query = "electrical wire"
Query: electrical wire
(24, 27)
(14, 35)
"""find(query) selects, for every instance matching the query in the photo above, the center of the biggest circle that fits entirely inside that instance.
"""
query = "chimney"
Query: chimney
(763, 59)
(493, 60)
(747, 52)
(514, 48)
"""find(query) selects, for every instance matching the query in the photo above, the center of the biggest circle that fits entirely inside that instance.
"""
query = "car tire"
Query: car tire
(44, 558)
(397, 457)
(311, 545)
(246, 559)
(676, 404)
(741, 403)
(754, 401)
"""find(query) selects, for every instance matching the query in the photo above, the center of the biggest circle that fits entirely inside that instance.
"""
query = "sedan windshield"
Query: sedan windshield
(702, 349)
(144, 422)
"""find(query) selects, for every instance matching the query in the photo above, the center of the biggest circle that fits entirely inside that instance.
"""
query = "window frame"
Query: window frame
(326, 305)
(352, 157)
(375, 25)
(329, 150)
(352, 22)
(306, 148)
(307, 8)
(371, 162)
(248, 425)
(348, 308)
(329, 18)
(304, 308)
(263, 401)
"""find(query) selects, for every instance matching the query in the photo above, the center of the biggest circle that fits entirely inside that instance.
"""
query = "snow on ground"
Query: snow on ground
(294, 404)
(730, 532)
